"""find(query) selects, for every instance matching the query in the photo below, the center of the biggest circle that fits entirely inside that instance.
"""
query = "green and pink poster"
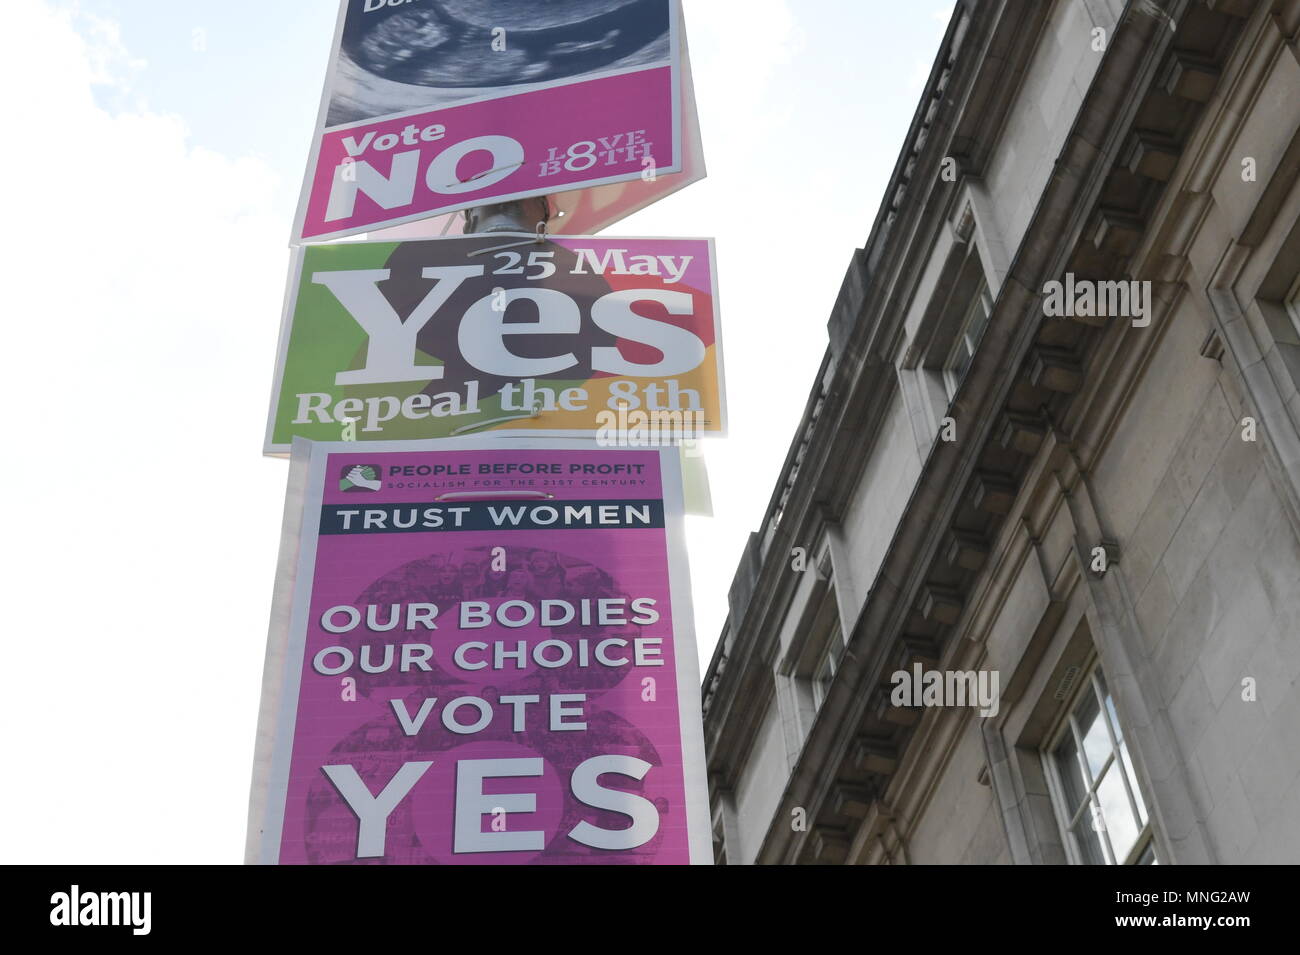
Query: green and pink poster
(499, 333)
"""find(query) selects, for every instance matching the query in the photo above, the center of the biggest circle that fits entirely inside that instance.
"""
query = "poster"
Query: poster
(574, 336)
(481, 654)
(431, 106)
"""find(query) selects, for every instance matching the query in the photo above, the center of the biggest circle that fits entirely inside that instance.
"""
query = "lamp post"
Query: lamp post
(518, 215)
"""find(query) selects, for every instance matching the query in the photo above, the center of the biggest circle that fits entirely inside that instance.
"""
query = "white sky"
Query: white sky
(153, 160)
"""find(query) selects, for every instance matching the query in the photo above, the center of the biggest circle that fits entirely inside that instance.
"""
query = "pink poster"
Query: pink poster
(442, 105)
(481, 654)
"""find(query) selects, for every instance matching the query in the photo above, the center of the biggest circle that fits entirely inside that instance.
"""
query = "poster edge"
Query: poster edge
(318, 129)
(273, 664)
(690, 706)
(311, 466)
(289, 308)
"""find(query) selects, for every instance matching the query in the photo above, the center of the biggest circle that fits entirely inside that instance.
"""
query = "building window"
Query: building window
(1103, 816)
(1293, 305)
(826, 666)
(967, 339)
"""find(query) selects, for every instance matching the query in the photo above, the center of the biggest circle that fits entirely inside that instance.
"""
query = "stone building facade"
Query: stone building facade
(1101, 510)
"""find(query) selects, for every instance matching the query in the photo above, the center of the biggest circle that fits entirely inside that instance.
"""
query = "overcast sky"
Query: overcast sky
(154, 155)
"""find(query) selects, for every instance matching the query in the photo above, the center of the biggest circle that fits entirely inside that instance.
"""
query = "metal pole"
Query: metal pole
(518, 215)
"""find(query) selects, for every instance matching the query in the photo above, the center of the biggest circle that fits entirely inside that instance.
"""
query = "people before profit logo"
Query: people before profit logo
(360, 477)
(75, 907)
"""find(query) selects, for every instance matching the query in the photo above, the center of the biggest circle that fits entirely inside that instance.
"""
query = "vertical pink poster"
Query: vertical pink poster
(487, 658)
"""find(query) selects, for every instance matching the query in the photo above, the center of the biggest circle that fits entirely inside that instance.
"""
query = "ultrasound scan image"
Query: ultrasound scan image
(427, 53)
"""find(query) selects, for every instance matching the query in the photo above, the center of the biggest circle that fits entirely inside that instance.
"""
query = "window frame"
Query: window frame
(978, 311)
(1292, 305)
(1068, 816)
(828, 661)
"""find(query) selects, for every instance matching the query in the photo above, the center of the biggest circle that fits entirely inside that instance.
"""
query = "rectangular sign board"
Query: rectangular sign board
(573, 336)
(432, 106)
(481, 654)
